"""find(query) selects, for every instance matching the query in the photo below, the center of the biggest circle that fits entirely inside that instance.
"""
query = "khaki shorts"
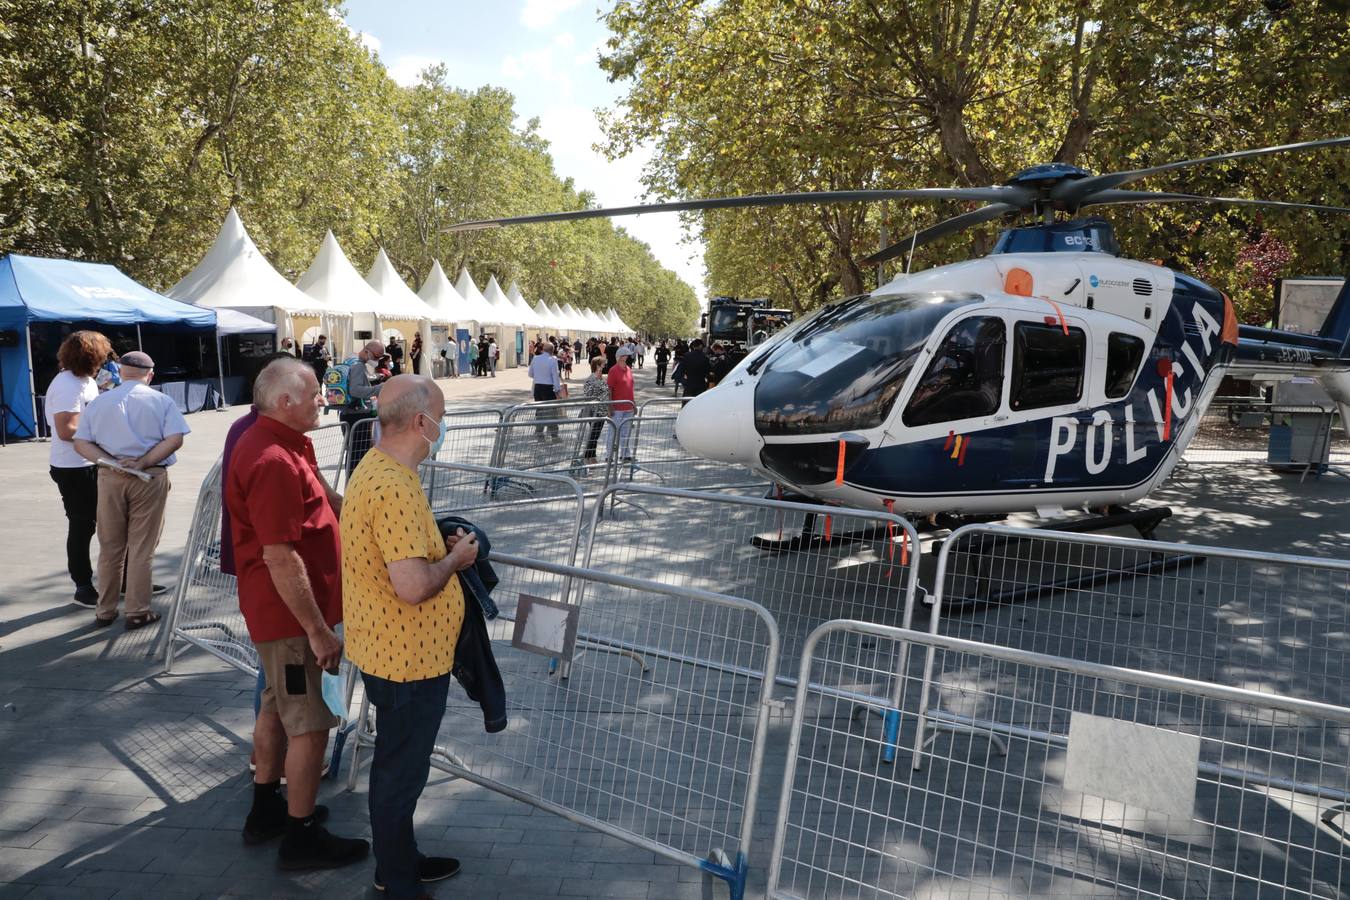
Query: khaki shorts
(294, 691)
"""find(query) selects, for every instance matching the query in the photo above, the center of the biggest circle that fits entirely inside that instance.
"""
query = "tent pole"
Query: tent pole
(220, 370)
(138, 337)
(32, 385)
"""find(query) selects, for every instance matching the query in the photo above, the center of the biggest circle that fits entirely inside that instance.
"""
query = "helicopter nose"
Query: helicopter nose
(719, 424)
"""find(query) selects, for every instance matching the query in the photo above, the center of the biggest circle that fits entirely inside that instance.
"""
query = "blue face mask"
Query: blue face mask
(440, 439)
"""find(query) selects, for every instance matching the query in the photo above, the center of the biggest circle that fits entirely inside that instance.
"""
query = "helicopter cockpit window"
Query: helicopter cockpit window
(1124, 353)
(843, 373)
(1047, 366)
(965, 378)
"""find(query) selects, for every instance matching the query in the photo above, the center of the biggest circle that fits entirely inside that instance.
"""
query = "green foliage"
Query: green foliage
(128, 127)
(751, 96)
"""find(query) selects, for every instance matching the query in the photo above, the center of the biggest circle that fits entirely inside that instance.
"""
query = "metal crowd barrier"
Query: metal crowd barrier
(534, 514)
(365, 433)
(556, 445)
(806, 564)
(205, 609)
(330, 448)
(1271, 623)
(1111, 783)
(655, 456)
(546, 409)
(667, 758)
(1238, 430)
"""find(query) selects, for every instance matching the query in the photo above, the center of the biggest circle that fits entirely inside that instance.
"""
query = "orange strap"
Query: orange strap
(890, 540)
(829, 527)
(839, 467)
(1059, 313)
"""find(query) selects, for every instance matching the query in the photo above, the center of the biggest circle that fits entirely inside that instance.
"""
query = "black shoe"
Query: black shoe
(86, 595)
(319, 850)
(259, 828)
(429, 869)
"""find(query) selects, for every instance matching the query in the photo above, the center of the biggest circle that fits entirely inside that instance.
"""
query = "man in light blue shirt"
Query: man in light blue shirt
(139, 429)
(547, 386)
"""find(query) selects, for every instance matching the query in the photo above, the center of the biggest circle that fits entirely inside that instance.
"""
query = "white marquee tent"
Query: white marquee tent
(441, 296)
(513, 325)
(333, 281)
(527, 314)
(488, 317)
(235, 275)
(402, 313)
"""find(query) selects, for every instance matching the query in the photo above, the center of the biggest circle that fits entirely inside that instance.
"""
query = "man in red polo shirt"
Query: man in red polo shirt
(288, 557)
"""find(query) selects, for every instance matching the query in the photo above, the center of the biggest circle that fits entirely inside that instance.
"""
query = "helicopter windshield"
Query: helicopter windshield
(846, 374)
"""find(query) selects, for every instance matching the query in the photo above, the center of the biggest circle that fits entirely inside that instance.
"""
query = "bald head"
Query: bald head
(374, 349)
(404, 396)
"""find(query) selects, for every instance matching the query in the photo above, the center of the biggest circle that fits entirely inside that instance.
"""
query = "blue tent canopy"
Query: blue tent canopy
(33, 290)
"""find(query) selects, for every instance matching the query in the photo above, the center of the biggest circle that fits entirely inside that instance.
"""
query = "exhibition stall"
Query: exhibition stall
(43, 300)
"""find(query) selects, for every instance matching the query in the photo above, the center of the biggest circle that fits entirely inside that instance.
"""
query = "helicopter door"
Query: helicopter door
(964, 379)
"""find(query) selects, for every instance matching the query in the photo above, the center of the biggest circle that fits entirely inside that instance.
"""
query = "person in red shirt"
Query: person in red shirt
(288, 558)
(622, 407)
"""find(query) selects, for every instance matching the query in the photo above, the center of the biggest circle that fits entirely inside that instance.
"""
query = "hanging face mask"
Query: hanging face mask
(440, 439)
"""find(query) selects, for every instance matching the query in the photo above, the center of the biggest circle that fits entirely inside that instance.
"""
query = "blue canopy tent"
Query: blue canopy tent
(35, 290)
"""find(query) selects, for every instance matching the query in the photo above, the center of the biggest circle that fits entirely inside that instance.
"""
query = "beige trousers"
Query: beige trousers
(130, 519)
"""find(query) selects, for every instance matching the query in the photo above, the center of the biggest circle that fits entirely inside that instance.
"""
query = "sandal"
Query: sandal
(141, 620)
(100, 622)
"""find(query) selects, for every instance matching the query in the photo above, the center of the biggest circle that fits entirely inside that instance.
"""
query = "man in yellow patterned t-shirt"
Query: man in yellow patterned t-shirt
(403, 606)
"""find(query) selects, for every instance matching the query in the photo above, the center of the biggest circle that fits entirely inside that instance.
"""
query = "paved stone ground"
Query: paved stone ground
(119, 781)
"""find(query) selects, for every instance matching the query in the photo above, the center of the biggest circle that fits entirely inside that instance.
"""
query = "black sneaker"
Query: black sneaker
(429, 869)
(259, 828)
(320, 850)
(86, 595)
(155, 590)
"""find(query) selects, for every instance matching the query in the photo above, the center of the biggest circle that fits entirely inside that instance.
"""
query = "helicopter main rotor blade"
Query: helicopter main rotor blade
(1116, 197)
(1077, 193)
(996, 194)
(940, 230)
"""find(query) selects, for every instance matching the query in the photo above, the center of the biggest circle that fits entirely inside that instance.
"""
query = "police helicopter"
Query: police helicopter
(1052, 374)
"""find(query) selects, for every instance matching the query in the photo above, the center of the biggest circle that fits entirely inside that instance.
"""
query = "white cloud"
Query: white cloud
(538, 14)
(371, 42)
(542, 65)
(406, 70)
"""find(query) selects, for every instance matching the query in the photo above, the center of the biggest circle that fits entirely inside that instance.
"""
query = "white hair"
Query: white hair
(280, 377)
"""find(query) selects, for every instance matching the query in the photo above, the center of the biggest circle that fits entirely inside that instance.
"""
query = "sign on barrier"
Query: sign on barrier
(535, 514)
(1107, 782)
(667, 757)
(804, 563)
(1268, 622)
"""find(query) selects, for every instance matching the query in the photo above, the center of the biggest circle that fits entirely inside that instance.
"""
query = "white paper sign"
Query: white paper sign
(1138, 765)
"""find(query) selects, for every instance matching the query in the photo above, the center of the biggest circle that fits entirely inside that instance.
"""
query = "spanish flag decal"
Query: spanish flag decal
(956, 445)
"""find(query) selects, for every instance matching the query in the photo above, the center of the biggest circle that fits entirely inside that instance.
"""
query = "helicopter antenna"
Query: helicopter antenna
(909, 258)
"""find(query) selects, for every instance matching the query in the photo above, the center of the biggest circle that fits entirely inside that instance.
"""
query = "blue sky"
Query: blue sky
(544, 52)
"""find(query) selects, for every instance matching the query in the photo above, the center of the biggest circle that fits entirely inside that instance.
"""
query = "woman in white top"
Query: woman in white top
(80, 356)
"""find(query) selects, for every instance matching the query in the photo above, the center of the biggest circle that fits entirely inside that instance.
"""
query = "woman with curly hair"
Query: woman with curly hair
(80, 357)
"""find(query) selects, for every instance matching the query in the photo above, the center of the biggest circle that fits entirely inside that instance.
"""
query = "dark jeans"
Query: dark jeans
(594, 437)
(660, 373)
(545, 392)
(407, 717)
(79, 496)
